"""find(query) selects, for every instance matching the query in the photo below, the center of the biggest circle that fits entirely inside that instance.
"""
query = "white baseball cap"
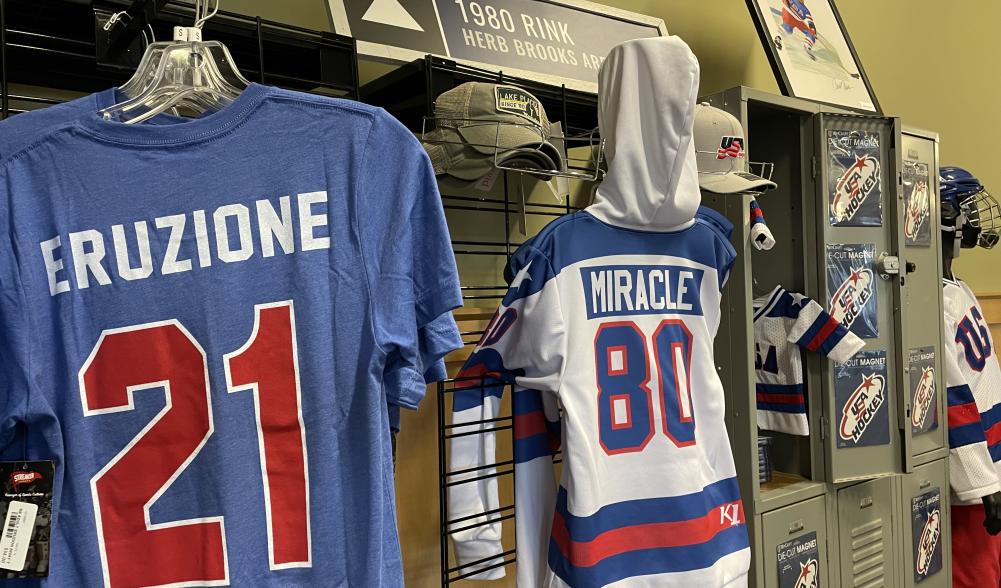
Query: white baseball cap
(720, 156)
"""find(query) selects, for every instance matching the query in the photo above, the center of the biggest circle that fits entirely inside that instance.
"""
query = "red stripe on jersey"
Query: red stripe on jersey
(637, 537)
(963, 414)
(825, 332)
(993, 434)
(529, 424)
(780, 398)
(476, 374)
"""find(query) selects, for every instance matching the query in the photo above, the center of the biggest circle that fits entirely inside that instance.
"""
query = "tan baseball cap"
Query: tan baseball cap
(480, 124)
(720, 156)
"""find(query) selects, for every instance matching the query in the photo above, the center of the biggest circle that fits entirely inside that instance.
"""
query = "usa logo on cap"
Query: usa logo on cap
(730, 147)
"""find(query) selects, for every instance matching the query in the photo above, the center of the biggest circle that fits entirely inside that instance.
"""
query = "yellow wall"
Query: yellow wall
(932, 63)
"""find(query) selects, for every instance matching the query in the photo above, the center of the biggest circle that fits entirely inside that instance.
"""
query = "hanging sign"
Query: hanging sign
(926, 534)
(561, 41)
(861, 397)
(851, 287)
(854, 178)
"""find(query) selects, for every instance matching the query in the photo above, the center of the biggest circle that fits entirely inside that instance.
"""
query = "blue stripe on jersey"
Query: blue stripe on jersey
(647, 510)
(525, 401)
(966, 435)
(991, 416)
(833, 339)
(959, 395)
(583, 237)
(533, 447)
(786, 408)
(648, 561)
(483, 375)
(784, 306)
(995, 451)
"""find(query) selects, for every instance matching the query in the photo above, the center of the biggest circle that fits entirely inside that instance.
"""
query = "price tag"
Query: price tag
(16, 535)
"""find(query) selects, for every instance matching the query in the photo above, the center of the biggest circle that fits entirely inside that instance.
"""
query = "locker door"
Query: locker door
(795, 545)
(925, 526)
(923, 403)
(865, 529)
(856, 214)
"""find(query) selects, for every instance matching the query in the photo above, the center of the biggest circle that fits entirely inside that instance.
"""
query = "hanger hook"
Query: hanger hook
(205, 17)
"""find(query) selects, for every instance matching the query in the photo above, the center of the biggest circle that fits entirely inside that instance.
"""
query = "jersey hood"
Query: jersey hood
(647, 91)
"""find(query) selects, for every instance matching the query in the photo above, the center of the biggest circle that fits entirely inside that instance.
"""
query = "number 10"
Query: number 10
(137, 552)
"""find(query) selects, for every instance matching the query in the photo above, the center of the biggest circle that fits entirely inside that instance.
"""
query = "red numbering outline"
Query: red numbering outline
(671, 341)
(164, 355)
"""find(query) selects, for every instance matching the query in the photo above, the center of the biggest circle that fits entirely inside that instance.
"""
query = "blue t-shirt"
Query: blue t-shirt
(200, 322)
(436, 339)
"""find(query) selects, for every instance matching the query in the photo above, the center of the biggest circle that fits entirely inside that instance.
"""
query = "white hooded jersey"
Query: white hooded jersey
(973, 380)
(611, 313)
(784, 323)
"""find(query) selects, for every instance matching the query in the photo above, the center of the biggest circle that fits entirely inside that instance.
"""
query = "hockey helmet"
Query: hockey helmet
(969, 207)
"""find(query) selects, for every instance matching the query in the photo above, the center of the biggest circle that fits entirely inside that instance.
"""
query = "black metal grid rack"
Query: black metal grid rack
(60, 46)
(409, 93)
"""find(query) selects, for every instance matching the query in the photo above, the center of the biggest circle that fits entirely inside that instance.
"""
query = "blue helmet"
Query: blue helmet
(965, 198)
(956, 184)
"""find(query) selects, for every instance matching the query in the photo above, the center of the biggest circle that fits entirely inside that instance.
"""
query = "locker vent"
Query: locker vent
(867, 555)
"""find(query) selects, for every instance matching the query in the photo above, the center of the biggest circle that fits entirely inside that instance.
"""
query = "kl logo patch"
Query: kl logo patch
(808, 574)
(862, 406)
(928, 542)
(18, 479)
(854, 186)
(923, 396)
(729, 514)
(730, 147)
(852, 296)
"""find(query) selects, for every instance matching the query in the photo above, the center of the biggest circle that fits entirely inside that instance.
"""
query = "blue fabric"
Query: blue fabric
(370, 265)
(966, 435)
(644, 512)
(584, 237)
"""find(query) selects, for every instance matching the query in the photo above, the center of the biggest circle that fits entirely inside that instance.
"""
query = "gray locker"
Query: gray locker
(855, 208)
(865, 546)
(923, 407)
(795, 545)
(925, 527)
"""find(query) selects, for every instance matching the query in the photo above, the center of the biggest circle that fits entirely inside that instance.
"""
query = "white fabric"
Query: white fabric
(761, 237)
(973, 473)
(647, 91)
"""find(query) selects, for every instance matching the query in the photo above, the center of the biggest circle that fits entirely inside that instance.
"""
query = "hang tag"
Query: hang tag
(486, 183)
(27, 514)
(16, 536)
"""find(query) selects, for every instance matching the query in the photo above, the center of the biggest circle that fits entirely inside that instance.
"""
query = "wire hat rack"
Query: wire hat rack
(409, 94)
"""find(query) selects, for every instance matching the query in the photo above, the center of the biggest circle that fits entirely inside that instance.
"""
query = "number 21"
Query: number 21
(137, 552)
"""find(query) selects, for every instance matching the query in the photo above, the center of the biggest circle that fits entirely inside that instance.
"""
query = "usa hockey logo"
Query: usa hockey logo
(917, 212)
(851, 296)
(730, 147)
(862, 406)
(923, 396)
(808, 574)
(854, 186)
(18, 479)
(928, 542)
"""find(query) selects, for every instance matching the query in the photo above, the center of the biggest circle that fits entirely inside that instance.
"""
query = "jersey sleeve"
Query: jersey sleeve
(524, 344)
(814, 329)
(972, 473)
(413, 282)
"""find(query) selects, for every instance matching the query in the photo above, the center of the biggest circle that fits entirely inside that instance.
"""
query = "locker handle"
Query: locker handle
(865, 502)
(924, 484)
(796, 527)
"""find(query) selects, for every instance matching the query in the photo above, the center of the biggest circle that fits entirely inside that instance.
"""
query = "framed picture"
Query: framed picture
(811, 54)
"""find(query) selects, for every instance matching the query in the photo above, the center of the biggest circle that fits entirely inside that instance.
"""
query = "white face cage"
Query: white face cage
(984, 212)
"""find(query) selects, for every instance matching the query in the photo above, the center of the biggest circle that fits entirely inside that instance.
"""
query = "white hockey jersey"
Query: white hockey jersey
(618, 325)
(973, 381)
(784, 323)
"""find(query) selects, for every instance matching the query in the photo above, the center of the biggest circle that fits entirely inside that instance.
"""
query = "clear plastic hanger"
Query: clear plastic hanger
(187, 75)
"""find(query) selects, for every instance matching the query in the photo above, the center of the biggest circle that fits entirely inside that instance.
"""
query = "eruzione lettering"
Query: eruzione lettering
(231, 240)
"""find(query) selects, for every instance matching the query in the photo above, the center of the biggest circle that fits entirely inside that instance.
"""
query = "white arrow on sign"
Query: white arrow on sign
(392, 13)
